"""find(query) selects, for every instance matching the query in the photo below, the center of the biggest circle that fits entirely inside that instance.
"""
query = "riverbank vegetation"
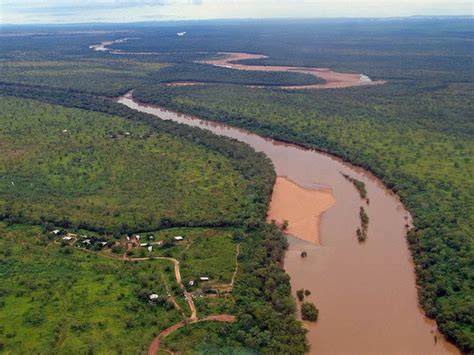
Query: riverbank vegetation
(359, 185)
(364, 225)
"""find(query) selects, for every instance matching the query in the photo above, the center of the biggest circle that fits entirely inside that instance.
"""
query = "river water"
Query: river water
(365, 292)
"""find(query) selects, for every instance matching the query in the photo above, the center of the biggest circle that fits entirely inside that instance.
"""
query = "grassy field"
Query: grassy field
(90, 169)
(63, 300)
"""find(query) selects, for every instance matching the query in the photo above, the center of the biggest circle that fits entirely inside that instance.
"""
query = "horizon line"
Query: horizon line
(466, 16)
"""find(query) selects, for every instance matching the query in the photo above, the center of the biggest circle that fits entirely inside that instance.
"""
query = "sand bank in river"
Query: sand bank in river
(301, 207)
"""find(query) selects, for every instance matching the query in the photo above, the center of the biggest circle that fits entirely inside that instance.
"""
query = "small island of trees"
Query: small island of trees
(309, 312)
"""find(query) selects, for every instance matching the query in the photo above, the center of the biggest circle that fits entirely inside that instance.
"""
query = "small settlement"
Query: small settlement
(147, 242)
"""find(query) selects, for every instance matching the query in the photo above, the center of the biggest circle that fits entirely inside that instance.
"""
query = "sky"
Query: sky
(79, 11)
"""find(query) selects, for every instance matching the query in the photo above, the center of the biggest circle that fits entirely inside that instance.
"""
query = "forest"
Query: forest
(79, 168)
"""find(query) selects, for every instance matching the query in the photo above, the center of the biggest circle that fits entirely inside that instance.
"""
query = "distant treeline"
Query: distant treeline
(193, 72)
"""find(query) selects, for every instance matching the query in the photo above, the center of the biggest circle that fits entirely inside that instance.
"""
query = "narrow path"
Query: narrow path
(228, 287)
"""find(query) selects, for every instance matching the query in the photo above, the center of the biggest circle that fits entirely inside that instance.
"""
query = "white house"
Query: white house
(67, 238)
(204, 278)
(154, 296)
(143, 244)
(178, 238)
(56, 231)
(191, 283)
(150, 248)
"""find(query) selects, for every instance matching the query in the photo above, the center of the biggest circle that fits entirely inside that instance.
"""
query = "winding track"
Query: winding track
(155, 344)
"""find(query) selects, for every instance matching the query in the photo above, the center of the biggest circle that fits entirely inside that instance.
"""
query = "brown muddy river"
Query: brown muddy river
(365, 292)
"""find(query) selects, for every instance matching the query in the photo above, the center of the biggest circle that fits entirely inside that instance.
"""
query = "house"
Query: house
(154, 296)
(67, 238)
(151, 237)
(64, 130)
(137, 237)
(87, 241)
(56, 231)
(103, 243)
(128, 238)
(204, 278)
(143, 244)
(150, 248)
(191, 283)
(178, 238)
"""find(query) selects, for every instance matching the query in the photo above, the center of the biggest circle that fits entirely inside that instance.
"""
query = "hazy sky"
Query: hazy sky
(67, 11)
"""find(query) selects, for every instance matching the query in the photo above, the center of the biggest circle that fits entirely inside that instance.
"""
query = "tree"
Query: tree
(309, 312)
(300, 294)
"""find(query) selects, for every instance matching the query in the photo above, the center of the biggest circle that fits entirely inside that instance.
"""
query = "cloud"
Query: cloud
(63, 11)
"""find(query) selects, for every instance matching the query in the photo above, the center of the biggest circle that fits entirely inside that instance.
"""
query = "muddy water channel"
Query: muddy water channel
(365, 292)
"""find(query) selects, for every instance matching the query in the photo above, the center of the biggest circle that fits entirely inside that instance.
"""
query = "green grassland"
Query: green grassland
(96, 175)
(63, 300)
